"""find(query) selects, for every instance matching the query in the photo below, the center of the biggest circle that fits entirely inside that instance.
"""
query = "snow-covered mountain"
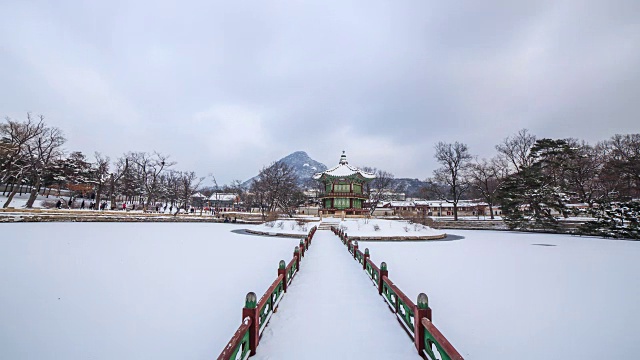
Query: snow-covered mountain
(303, 165)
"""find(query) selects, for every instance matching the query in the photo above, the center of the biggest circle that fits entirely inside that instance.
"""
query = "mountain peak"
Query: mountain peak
(303, 165)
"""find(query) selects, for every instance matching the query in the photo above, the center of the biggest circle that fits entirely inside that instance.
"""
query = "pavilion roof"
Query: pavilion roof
(344, 170)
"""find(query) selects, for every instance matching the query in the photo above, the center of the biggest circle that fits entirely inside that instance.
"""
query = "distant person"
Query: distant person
(124, 206)
(59, 204)
(133, 207)
(157, 208)
(82, 205)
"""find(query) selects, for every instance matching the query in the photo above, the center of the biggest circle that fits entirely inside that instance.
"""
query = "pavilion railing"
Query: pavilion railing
(415, 319)
(343, 195)
(257, 313)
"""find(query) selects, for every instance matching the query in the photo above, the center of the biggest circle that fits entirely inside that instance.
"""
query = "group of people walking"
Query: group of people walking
(159, 208)
(92, 205)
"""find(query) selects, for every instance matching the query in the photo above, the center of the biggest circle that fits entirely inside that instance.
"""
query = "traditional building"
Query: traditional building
(343, 189)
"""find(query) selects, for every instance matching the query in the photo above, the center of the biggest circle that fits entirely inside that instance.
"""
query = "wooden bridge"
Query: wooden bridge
(336, 308)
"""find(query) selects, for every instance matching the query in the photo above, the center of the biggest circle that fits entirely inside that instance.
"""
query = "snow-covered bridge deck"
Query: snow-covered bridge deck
(333, 311)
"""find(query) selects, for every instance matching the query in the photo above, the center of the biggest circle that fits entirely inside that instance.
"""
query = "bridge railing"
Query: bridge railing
(257, 313)
(238, 347)
(414, 318)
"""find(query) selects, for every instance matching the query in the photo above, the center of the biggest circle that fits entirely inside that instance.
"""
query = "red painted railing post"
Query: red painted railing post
(422, 311)
(282, 270)
(383, 272)
(296, 255)
(251, 310)
(301, 247)
(366, 257)
(355, 250)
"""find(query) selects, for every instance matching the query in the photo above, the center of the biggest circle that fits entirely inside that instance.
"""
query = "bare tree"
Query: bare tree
(485, 177)
(42, 150)
(188, 184)
(584, 173)
(449, 182)
(150, 166)
(100, 175)
(276, 188)
(14, 138)
(122, 166)
(516, 149)
(378, 189)
(622, 157)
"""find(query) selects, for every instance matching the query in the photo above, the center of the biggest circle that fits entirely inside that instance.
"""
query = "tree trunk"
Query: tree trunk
(98, 196)
(12, 194)
(455, 211)
(112, 192)
(34, 193)
(491, 210)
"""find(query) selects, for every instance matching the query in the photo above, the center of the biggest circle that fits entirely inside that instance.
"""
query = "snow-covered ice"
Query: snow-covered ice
(507, 295)
(175, 291)
(128, 291)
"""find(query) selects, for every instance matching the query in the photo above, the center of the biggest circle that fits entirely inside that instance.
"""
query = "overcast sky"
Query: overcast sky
(226, 87)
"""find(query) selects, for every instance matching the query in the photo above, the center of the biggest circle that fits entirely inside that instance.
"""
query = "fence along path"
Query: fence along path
(331, 311)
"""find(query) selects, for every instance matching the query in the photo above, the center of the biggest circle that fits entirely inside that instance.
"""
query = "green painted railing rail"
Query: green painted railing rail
(269, 301)
(238, 347)
(292, 269)
(433, 338)
(400, 303)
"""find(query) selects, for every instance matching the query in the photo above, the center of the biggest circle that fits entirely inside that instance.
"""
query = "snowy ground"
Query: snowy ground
(353, 227)
(284, 226)
(505, 295)
(386, 228)
(128, 291)
(20, 201)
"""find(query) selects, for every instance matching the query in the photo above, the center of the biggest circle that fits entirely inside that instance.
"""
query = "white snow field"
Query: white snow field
(128, 290)
(284, 226)
(176, 291)
(333, 311)
(506, 295)
(386, 228)
(370, 228)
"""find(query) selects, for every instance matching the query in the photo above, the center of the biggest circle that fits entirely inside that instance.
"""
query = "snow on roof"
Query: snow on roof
(401, 203)
(223, 197)
(198, 195)
(343, 170)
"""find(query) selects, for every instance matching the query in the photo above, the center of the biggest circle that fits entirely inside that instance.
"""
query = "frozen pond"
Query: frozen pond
(128, 290)
(175, 290)
(504, 295)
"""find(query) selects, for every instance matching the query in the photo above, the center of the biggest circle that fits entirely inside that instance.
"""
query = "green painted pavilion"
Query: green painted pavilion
(343, 189)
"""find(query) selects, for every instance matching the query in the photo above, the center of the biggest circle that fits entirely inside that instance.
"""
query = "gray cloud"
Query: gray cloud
(227, 87)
